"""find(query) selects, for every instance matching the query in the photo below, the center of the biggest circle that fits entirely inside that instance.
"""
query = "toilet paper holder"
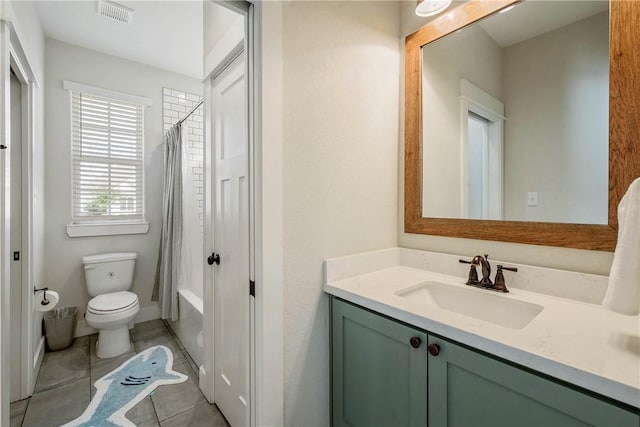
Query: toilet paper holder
(44, 301)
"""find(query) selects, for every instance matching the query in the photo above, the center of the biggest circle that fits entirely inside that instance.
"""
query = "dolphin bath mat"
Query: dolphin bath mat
(122, 389)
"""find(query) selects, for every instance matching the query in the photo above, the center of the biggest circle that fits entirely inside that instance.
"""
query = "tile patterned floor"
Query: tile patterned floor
(65, 386)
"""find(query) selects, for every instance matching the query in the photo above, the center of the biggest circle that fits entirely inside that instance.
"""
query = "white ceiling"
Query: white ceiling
(532, 18)
(165, 34)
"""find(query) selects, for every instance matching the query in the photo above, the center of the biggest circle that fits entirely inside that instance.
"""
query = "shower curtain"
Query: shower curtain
(180, 262)
(167, 271)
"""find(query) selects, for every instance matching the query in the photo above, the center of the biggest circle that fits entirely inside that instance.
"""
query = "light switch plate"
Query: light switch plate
(532, 198)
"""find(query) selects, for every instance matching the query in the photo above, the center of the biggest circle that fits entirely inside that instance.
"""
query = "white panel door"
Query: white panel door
(15, 151)
(231, 242)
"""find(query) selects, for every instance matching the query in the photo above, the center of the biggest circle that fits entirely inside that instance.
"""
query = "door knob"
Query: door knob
(213, 258)
(415, 342)
(433, 349)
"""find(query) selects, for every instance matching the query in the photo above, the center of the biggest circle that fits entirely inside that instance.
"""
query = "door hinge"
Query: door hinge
(252, 288)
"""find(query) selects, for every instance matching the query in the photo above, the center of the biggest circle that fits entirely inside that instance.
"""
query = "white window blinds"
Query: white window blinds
(108, 162)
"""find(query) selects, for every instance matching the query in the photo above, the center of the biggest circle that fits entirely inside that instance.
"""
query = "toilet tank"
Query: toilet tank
(106, 273)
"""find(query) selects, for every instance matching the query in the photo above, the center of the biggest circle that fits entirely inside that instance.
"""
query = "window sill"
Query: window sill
(107, 229)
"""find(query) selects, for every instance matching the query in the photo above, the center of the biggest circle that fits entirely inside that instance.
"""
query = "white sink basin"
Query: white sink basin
(479, 304)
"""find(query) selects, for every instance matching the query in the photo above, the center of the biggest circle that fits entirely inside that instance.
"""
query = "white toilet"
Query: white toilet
(112, 307)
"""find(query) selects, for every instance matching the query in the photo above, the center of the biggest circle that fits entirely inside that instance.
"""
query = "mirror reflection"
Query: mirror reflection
(515, 124)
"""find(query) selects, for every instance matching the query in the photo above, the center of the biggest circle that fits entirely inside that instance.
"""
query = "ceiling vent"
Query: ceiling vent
(115, 11)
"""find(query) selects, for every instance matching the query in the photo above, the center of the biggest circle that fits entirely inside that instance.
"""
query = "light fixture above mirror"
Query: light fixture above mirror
(426, 8)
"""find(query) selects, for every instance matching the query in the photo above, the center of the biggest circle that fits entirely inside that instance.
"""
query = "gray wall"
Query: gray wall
(340, 97)
(63, 263)
(556, 96)
(479, 60)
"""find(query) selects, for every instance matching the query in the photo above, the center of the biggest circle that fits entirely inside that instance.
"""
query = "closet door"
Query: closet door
(231, 243)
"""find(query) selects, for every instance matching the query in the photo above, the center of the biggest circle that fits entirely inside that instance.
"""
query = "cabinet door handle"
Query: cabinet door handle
(433, 349)
(415, 342)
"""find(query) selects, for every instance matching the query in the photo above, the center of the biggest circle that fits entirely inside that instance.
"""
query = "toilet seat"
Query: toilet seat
(112, 303)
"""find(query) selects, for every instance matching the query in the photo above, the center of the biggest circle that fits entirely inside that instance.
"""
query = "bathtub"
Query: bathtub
(188, 327)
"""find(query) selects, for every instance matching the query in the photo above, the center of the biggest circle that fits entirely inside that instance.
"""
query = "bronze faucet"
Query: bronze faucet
(486, 282)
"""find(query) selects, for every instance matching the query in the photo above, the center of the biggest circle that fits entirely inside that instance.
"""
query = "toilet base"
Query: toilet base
(113, 342)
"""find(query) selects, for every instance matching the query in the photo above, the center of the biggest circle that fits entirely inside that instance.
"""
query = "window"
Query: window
(107, 137)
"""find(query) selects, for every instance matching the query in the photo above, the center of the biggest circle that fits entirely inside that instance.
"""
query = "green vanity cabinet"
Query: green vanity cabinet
(469, 388)
(378, 377)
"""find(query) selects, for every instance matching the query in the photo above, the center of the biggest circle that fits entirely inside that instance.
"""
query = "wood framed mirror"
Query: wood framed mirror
(623, 135)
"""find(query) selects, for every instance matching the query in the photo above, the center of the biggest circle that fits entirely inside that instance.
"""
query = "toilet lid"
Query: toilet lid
(113, 301)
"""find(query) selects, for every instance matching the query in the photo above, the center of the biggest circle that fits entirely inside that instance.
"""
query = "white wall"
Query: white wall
(269, 225)
(340, 97)
(24, 18)
(177, 104)
(478, 60)
(217, 21)
(556, 96)
(596, 262)
(223, 31)
(63, 264)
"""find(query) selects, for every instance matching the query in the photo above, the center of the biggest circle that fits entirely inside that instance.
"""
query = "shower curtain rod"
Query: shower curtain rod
(191, 112)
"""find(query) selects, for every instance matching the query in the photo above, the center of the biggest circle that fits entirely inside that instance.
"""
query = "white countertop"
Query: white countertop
(581, 343)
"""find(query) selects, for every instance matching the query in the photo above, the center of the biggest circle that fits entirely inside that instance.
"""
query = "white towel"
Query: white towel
(623, 292)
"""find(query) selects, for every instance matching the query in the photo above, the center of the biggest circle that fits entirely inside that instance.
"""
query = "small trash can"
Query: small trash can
(60, 327)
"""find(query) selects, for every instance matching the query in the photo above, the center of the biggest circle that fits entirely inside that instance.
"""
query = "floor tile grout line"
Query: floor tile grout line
(90, 366)
(25, 410)
(153, 405)
(182, 348)
(61, 384)
(184, 411)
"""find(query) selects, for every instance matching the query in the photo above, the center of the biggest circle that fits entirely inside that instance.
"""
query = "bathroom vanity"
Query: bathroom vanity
(413, 345)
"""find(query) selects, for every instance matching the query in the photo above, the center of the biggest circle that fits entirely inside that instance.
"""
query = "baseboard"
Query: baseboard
(202, 380)
(150, 312)
(37, 363)
(83, 329)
